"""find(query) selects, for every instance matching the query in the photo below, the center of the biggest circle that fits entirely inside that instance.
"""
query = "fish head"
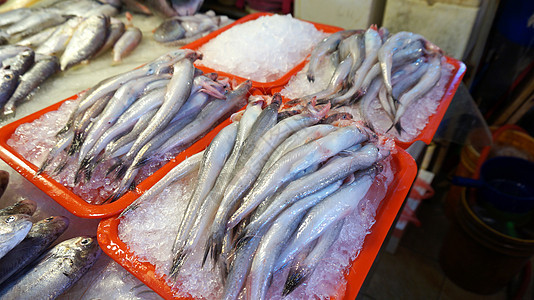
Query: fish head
(79, 250)
(169, 30)
(54, 225)
(7, 76)
(24, 206)
(12, 224)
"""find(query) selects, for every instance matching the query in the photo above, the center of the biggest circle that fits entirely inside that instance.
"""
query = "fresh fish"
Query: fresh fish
(332, 209)
(301, 270)
(334, 170)
(336, 117)
(213, 199)
(368, 79)
(126, 43)
(105, 10)
(8, 51)
(4, 181)
(37, 74)
(426, 83)
(20, 63)
(61, 145)
(37, 39)
(13, 229)
(169, 30)
(88, 37)
(14, 16)
(8, 84)
(336, 82)
(58, 40)
(243, 179)
(39, 238)
(372, 93)
(35, 23)
(24, 207)
(55, 271)
(410, 78)
(276, 238)
(212, 163)
(295, 161)
(355, 45)
(116, 29)
(187, 166)
(323, 48)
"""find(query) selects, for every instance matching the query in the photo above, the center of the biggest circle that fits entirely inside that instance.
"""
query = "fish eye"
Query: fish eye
(10, 219)
(85, 241)
(8, 76)
(49, 219)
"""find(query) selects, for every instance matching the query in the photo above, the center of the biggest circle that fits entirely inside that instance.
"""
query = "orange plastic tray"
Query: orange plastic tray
(405, 170)
(65, 197)
(265, 87)
(427, 134)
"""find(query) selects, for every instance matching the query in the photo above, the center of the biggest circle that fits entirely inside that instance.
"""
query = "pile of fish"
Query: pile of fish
(21, 72)
(146, 115)
(28, 267)
(269, 185)
(181, 30)
(371, 66)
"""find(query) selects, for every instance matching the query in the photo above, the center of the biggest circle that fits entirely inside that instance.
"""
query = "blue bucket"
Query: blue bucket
(506, 183)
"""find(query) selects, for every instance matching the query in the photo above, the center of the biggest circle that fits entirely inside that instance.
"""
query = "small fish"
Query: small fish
(37, 39)
(169, 30)
(116, 29)
(13, 229)
(20, 63)
(88, 37)
(55, 271)
(14, 15)
(24, 207)
(128, 41)
(8, 84)
(36, 75)
(58, 40)
(35, 23)
(39, 238)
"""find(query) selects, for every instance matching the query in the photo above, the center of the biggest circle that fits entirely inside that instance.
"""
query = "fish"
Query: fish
(20, 63)
(14, 16)
(127, 42)
(13, 229)
(187, 166)
(244, 178)
(39, 238)
(37, 39)
(327, 212)
(292, 163)
(276, 238)
(213, 161)
(23, 206)
(88, 37)
(115, 31)
(4, 181)
(8, 51)
(335, 169)
(37, 74)
(301, 270)
(55, 271)
(323, 48)
(169, 30)
(35, 23)
(8, 84)
(427, 82)
(58, 40)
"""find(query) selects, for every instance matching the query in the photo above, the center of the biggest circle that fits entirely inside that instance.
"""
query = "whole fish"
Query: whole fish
(13, 229)
(187, 166)
(58, 40)
(55, 271)
(323, 48)
(39, 238)
(243, 179)
(334, 170)
(24, 207)
(332, 209)
(88, 37)
(302, 269)
(61, 144)
(127, 42)
(292, 163)
(35, 23)
(8, 84)
(212, 163)
(276, 238)
(37, 74)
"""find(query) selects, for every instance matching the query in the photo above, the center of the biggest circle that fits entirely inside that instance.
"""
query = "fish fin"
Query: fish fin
(178, 262)
(143, 161)
(114, 167)
(296, 277)
(77, 142)
(311, 77)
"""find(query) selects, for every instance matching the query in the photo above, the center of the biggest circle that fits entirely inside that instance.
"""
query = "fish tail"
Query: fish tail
(178, 262)
(398, 127)
(77, 142)
(143, 161)
(311, 77)
(61, 166)
(294, 279)
(114, 167)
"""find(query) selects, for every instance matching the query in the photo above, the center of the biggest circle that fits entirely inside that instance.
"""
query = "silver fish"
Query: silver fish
(14, 16)
(24, 207)
(169, 30)
(116, 29)
(37, 74)
(35, 22)
(88, 37)
(8, 84)
(332, 209)
(39, 238)
(58, 40)
(20, 63)
(37, 39)
(213, 161)
(56, 270)
(13, 229)
(295, 161)
(8, 51)
(126, 43)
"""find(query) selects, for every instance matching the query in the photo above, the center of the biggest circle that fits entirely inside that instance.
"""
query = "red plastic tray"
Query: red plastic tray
(265, 87)
(427, 134)
(405, 170)
(65, 197)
